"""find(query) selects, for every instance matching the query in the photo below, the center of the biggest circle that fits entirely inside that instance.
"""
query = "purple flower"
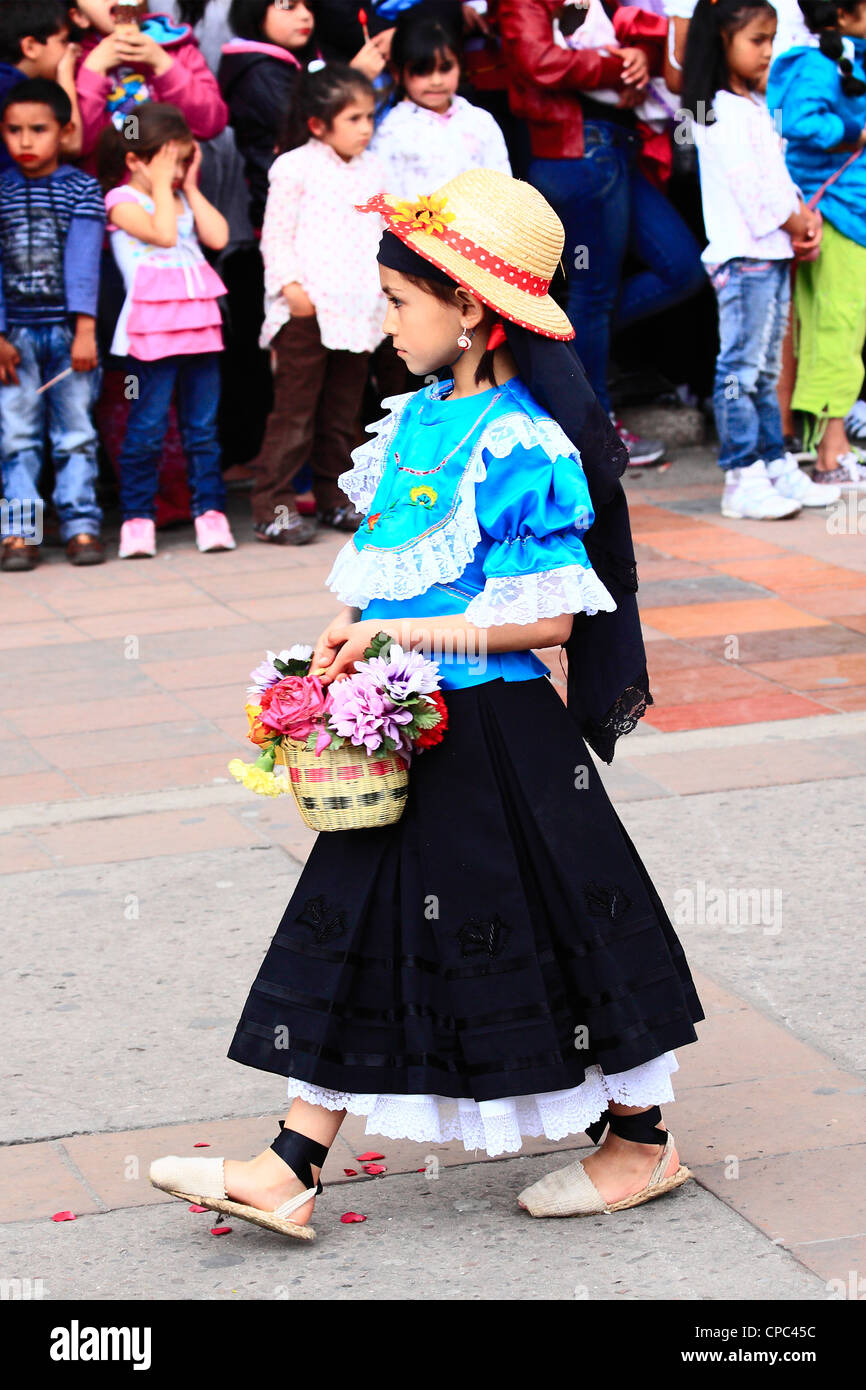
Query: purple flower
(401, 674)
(266, 674)
(365, 715)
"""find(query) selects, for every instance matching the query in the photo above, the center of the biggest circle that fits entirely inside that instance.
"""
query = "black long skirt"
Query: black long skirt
(497, 940)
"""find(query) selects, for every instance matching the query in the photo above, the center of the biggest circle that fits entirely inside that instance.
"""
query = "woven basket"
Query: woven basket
(345, 788)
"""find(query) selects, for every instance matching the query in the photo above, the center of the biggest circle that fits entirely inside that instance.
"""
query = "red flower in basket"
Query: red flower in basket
(293, 706)
(427, 737)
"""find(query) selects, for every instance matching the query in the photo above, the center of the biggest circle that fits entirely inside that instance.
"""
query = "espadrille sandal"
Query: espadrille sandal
(570, 1191)
(201, 1182)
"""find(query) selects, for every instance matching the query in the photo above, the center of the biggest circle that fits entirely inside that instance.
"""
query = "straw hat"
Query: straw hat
(494, 235)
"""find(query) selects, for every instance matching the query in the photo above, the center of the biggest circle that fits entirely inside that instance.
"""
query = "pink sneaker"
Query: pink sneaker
(212, 532)
(137, 538)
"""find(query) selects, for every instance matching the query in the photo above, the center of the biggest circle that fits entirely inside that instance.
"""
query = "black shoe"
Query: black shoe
(341, 518)
(295, 530)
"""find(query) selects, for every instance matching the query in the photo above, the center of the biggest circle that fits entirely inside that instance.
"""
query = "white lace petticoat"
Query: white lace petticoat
(497, 1126)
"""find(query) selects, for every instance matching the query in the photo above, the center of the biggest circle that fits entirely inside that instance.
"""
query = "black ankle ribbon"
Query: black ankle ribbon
(298, 1151)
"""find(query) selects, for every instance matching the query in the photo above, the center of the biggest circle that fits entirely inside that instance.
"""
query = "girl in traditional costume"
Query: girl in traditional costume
(496, 963)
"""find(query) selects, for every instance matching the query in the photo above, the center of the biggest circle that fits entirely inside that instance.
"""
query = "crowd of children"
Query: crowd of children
(124, 319)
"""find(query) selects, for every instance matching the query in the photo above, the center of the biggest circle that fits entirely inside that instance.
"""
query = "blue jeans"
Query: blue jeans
(67, 409)
(607, 208)
(197, 378)
(754, 298)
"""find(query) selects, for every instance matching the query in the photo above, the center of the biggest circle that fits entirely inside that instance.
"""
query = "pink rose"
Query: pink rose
(293, 706)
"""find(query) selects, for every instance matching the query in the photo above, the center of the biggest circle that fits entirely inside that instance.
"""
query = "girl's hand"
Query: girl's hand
(300, 304)
(135, 47)
(369, 60)
(383, 42)
(340, 646)
(104, 56)
(190, 178)
(635, 67)
(66, 66)
(475, 23)
(84, 354)
(164, 164)
(9, 359)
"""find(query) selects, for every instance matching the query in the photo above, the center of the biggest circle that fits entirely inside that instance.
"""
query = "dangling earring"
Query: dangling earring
(464, 341)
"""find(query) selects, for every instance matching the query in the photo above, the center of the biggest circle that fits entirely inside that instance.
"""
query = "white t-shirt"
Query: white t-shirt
(421, 150)
(746, 190)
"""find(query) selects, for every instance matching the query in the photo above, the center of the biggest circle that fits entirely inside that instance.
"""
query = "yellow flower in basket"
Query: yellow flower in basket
(255, 778)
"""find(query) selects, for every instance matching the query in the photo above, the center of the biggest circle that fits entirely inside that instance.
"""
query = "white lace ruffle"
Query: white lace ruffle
(443, 554)
(360, 482)
(527, 598)
(357, 576)
(498, 1126)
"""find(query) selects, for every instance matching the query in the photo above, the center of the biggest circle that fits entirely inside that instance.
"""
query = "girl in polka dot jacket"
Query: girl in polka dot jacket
(323, 304)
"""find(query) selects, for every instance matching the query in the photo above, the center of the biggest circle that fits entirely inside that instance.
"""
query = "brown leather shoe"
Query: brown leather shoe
(18, 554)
(295, 530)
(85, 550)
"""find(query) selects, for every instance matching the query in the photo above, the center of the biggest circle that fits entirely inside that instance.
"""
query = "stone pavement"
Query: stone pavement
(141, 886)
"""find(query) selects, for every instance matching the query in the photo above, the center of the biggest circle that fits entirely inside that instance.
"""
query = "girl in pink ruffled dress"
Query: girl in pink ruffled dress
(170, 327)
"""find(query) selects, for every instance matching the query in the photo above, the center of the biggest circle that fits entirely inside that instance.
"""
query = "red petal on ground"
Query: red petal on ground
(351, 1172)
(368, 1158)
(420, 1170)
(201, 1145)
(349, 1216)
(220, 1230)
(199, 1209)
(64, 1216)
(374, 1168)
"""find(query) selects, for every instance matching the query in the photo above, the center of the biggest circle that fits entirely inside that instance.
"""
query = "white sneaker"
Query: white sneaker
(790, 481)
(749, 494)
(855, 421)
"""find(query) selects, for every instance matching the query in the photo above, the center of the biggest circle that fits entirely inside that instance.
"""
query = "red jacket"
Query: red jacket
(544, 79)
(189, 85)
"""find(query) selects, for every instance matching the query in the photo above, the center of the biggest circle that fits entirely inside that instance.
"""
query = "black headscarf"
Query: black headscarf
(608, 689)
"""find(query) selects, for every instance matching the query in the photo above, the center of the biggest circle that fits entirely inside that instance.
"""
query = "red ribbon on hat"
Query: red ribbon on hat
(497, 266)
(497, 337)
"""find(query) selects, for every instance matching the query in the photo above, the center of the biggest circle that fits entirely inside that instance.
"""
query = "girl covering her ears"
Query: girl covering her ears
(496, 963)
(820, 94)
(170, 327)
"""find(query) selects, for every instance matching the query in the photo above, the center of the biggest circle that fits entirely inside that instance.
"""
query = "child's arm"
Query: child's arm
(84, 354)
(71, 144)
(92, 85)
(81, 263)
(185, 82)
(811, 118)
(278, 234)
(349, 642)
(211, 227)
(157, 228)
(9, 354)
(803, 225)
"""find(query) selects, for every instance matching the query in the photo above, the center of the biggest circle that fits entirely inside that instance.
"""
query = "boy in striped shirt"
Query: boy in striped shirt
(51, 228)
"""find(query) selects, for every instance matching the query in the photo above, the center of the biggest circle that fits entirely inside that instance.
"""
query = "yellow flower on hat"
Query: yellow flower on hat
(426, 214)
